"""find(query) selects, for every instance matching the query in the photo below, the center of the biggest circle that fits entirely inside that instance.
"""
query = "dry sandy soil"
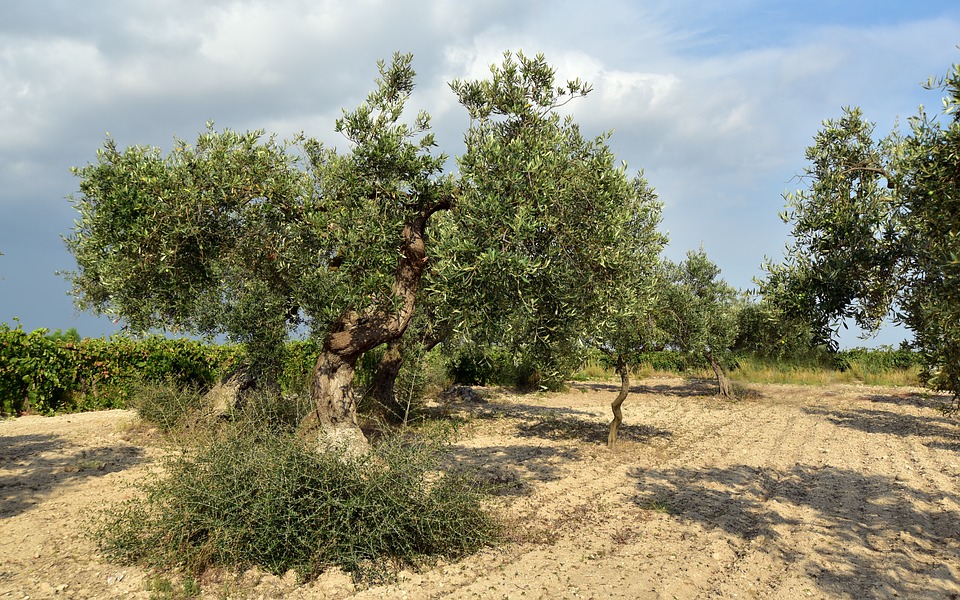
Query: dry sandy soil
(793, 492)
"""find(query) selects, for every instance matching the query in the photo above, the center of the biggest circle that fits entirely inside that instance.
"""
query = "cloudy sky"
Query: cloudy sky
(716, 101)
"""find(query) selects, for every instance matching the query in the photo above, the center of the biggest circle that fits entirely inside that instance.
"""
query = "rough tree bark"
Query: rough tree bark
(725, 388)
(384, 385)
(334, 418)
(228, 394)
(624, 372)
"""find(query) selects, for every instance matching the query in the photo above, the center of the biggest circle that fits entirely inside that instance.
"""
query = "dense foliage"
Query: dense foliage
(766, 331)
(559, 241)
(242, 235)
(41, 373)
(35, 372)
(44, 373)
(877, 233)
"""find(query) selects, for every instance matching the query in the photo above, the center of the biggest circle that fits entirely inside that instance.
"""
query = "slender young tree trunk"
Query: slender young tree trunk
(334, 418)
(624, 372)
(723, 382)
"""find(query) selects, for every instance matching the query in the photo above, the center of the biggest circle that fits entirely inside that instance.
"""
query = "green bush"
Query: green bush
(165, 404)
(664, 360)
(47, 373)
(268, 409)
(494, 366)
(422, 371)
(108, 371)
(299, 358)
(254, 497)
(473, 367)
(58, 372)
(36, 372)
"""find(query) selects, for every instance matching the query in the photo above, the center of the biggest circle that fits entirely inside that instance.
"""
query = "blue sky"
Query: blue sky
(715, 101)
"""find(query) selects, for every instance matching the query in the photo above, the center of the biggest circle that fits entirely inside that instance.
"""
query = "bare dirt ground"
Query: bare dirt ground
(793, 492)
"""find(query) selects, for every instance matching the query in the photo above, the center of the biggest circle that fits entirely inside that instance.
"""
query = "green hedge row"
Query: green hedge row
(45, 373)
(878, 360)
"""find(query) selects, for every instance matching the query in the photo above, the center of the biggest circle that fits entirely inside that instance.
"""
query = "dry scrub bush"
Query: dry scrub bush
(253, 495)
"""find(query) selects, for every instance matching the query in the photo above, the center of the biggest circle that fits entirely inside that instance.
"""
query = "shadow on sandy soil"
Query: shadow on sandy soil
(919, 400)
(510, 470)
(523, 411)
(923, 400)
(560, 423)
(570, 428)
(938, 431)
(33, 466)
(870, 527)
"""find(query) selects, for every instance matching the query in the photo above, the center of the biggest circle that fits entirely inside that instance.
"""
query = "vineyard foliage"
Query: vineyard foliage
(44, 373)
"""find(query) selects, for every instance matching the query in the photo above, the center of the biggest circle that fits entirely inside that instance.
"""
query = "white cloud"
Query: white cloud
(38, 77)
(637, 91)
(715, 101)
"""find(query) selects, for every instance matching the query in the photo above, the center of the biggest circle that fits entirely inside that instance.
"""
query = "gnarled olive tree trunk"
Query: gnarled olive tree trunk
(725, 388)
(384, 384)
(624, 371)
(334, 417)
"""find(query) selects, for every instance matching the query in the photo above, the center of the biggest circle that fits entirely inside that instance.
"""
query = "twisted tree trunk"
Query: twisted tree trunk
(383, 387)
(334, 418)
(725, 388)
(624, 372)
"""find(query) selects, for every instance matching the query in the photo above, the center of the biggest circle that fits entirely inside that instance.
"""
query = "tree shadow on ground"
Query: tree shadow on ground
(868, 530)
(34, 466)
(559, 423)
(681, 388)
(939, 431)
(917, 399)
(586, 430)
(510, 469)
(509, 410)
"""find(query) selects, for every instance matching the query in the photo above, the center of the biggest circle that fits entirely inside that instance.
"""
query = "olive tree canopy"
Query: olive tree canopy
(556, 237)
(243, 235)
(877, 233)
(698, 313)
(246, 236)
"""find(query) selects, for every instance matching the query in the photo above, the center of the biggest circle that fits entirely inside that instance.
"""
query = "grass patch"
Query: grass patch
(880, 367)
(905, 377)
(598, 371)
(658, 505)
(165, 588)
(593, 370)
(251, 497)
(752, 370)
